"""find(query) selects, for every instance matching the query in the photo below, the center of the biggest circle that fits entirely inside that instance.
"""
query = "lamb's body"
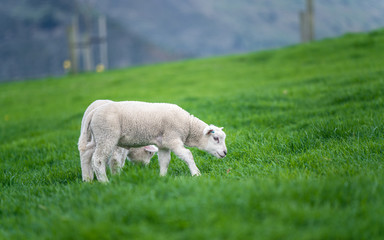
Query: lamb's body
(87, 146)
(135, 124)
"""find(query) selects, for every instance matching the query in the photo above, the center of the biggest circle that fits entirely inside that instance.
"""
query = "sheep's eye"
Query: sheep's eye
(216, 139)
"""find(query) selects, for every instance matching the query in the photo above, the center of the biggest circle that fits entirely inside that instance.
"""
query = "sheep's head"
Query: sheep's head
(215, 141)
(142, 154)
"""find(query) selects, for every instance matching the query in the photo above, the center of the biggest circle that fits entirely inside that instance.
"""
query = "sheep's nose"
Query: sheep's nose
(225, 152)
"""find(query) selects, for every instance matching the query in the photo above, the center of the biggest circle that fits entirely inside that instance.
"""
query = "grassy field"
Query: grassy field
(305, 136)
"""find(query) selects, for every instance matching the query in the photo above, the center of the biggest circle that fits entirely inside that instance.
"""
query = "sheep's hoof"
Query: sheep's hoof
(196, 174)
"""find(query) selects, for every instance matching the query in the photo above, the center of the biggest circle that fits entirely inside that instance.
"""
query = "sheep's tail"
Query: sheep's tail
(85, 133)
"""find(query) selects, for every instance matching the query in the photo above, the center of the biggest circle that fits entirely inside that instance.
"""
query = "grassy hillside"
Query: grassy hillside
(305, 139)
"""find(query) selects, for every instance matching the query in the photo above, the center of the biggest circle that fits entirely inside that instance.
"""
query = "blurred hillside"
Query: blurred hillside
(33, 41)
(211, 27)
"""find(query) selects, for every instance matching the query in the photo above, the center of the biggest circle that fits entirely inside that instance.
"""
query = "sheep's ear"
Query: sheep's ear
(208, 130)
(151, 148)
(221, 128)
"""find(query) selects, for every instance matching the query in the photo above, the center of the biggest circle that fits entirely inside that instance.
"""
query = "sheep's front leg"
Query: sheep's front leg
(187, 157)
(164, 157)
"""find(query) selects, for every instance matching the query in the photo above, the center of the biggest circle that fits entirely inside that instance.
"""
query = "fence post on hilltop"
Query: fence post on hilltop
(103, 41)
(73, 42)
(311, 34)
(307, 32)
(87, 53)
(87, 44)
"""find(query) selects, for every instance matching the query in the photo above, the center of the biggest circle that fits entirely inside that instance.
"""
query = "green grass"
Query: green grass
(305, 138)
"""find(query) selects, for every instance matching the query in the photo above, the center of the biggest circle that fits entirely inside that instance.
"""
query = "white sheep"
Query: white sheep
(117, 159)
(134, 124)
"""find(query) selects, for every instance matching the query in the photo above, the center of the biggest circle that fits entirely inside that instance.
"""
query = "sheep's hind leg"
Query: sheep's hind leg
(86, 162)
(99, 160)
(164, 157)
(187, 157)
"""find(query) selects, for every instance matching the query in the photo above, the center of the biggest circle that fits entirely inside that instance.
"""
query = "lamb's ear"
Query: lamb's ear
(208, 130)
(151, 148)
(221, 128)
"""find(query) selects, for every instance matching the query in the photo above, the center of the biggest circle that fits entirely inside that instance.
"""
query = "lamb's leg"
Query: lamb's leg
(99, 160)
(124, 154)
(164, 157)
(86, 162)
(187, 157)
(114, 164)
(117, 160)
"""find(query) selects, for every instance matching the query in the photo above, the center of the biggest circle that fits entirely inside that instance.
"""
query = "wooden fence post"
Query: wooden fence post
(73, 41)
(310, 20)
(103, 41)
(307, 32)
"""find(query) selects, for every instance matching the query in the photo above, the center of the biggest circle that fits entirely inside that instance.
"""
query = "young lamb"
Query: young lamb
(134, 124)
(117, 159)
(136, 155)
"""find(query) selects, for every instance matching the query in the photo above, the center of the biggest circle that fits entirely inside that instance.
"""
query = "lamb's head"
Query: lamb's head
(215, 141)
(142, 154)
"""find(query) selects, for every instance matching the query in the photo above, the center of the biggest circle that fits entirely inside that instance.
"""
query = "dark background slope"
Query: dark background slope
(33, 41)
